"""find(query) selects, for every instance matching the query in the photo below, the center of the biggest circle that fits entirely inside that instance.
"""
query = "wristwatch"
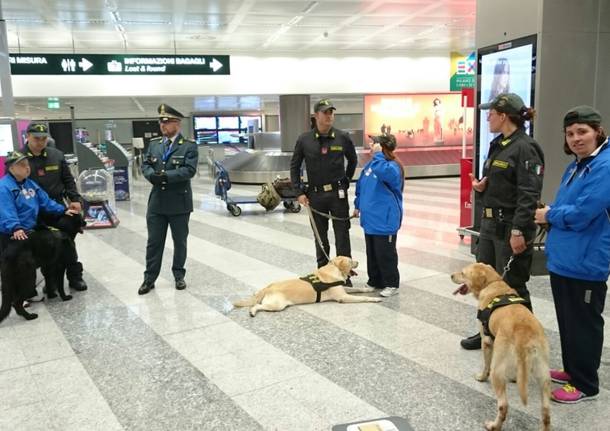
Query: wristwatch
(516, 232)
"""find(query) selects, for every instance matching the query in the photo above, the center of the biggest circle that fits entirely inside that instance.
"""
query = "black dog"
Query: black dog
(47, 248)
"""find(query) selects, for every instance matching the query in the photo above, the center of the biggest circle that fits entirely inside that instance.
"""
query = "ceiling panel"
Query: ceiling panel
(234, 25)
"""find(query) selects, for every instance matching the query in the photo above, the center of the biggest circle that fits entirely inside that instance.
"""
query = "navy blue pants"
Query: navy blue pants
(382, 261)
(579, 305)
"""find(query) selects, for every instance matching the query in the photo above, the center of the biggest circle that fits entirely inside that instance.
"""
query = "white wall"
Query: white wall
(259, 75)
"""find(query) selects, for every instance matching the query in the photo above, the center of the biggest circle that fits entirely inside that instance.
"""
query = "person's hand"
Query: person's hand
(76, 206)
(70, 212)
(517, 244)
(302, 199)
(376, 147)
(356, 213)
(478, 185)
(19, 235)
(540, 216)
(158, 179)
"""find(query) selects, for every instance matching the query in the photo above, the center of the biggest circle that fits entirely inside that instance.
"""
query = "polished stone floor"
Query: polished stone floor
(184, 360)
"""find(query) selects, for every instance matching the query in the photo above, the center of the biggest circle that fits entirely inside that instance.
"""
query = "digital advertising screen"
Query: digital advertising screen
(418, 120)
(508, 67)
(6, 139)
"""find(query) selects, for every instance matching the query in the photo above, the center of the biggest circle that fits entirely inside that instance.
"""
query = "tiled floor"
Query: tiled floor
(184, 360)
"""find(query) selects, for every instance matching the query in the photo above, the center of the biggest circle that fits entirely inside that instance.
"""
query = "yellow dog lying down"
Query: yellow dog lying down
(325, 284)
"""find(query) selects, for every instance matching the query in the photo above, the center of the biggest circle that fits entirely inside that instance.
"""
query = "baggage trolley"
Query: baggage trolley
(222, 184)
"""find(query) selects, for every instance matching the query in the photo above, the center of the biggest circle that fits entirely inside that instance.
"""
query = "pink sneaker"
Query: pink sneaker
(560, 376)
(568, 394)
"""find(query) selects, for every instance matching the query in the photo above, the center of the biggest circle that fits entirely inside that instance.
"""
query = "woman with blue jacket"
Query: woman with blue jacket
(378, 203)
(578, 254)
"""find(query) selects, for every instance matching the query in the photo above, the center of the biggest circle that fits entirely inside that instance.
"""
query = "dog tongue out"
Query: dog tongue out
(462, 290)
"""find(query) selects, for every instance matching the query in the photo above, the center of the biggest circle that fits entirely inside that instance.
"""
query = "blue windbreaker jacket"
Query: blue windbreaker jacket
(578, 244)
(20, 204)
(379, 196)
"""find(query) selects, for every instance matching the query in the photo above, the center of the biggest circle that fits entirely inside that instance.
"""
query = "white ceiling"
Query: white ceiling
(226, 26)
(255, 27)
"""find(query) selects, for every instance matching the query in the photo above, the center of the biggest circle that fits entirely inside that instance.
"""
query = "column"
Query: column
(294, 119)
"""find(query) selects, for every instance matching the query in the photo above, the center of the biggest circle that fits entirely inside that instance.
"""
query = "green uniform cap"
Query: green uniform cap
(582, 114)
(38, 129)
(507, 103)
(166, 113)
(14, 157)
(323, 106)
(385, 140)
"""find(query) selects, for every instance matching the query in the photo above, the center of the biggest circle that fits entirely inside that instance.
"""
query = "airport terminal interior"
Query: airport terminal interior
(111, 359)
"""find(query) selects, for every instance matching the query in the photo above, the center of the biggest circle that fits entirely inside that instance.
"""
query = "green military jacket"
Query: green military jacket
(180, 165)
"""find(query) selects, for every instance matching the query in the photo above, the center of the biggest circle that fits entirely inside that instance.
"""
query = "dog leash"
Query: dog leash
(329, 216)
(315, 229)
(538, 237)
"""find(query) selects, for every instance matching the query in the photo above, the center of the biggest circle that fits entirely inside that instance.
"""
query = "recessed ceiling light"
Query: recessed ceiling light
(202, 37)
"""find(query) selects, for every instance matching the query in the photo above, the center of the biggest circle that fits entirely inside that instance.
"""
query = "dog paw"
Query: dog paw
(31, 316)
(491, 426)
(66, 298)
(482, 377)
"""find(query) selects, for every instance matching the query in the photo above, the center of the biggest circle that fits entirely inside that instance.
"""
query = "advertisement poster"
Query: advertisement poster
(463, 71)
(418, 120)
(99, 215)
(121, 184)
(507, 71)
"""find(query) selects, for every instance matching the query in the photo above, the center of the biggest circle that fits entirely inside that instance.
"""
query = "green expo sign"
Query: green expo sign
(103, 64)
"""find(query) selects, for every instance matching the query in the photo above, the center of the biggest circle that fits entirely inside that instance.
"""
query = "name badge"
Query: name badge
(51, 168)
(336, 148)
(341, 194)
(500, 164)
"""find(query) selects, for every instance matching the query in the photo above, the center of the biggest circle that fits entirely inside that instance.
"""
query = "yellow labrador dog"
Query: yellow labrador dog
(325, 284)
(513, 341)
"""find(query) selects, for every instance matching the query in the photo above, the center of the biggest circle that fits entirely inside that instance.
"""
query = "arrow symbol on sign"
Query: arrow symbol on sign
(85, 64)
(215, 64)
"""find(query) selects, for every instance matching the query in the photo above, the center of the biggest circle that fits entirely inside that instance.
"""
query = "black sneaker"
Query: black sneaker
(471, 343)
(180, 284)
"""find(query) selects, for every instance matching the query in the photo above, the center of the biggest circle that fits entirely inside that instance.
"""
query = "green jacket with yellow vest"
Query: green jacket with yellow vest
(176, 166)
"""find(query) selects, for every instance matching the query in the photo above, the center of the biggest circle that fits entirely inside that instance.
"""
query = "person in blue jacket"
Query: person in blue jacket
(378, 203)
(21, 200)
(578, 254)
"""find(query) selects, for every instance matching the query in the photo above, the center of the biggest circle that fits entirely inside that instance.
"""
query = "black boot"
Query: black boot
(472, 343)
(78, 284)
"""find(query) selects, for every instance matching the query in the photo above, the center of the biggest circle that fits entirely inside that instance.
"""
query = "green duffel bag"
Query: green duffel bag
(268, 197)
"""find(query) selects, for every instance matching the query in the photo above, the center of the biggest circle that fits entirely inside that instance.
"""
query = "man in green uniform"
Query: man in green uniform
(169, 164)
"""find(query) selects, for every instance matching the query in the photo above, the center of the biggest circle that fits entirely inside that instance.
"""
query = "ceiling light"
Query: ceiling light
(311, 6)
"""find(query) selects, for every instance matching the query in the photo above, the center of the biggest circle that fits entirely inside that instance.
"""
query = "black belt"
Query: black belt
(498, 213)
(325, 187)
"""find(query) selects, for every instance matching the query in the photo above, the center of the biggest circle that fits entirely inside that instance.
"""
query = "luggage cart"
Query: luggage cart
(222, 184)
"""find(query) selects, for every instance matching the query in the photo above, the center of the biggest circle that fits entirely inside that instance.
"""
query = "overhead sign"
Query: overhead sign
(53, 103)
(462, 71)
(104, 64)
